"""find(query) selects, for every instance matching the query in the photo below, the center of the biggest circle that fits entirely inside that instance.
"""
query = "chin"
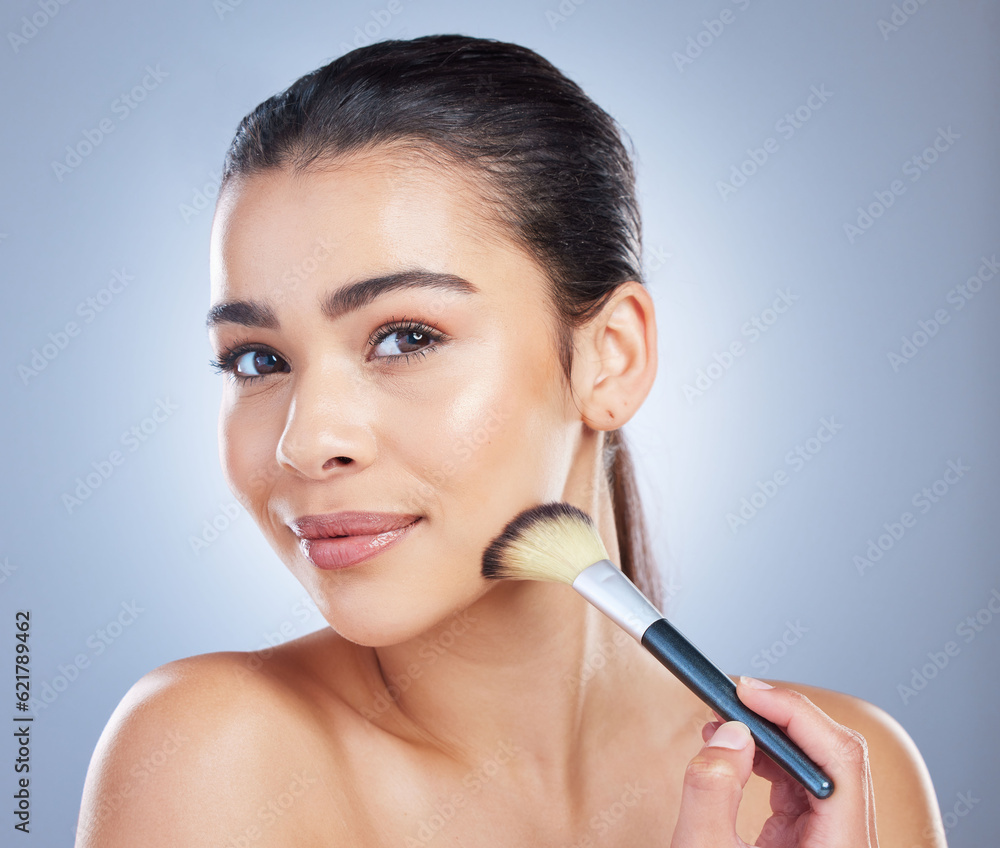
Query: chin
(382, 632)
(393, 599)
(369, 635)
(380, 619)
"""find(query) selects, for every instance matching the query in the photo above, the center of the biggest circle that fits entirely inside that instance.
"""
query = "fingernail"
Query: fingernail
(733, 734)
(754, 683)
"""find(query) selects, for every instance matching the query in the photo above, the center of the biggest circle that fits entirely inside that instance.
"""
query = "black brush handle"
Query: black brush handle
(714, 687)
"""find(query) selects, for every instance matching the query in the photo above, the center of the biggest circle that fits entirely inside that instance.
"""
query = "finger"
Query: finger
(841, 752)
(788, 797)
(790, 807)
(781, 831)
(871, 812)
(713, 789)
(709, 729)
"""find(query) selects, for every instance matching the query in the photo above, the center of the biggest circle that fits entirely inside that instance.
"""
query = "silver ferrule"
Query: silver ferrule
(608, 589)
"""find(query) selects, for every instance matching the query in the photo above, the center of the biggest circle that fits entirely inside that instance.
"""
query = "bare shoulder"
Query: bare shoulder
(906, 806)
(205, 750)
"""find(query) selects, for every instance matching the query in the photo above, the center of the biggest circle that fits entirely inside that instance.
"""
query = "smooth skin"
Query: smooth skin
(438, 707)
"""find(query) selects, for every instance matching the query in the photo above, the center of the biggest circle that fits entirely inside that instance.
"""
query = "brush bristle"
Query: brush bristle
(553, 541)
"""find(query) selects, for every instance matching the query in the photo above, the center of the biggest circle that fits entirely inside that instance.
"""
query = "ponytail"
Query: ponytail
(634, 548)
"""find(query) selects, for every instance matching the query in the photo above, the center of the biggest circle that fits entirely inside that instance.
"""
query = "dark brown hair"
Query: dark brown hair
(551, 167)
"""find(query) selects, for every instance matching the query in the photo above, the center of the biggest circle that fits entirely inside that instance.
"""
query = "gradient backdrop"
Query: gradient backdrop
(819, 188)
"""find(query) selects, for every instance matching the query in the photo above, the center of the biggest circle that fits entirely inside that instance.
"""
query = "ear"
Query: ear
(614, 362)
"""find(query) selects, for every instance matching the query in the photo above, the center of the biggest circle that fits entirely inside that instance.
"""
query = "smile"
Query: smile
(340, 540)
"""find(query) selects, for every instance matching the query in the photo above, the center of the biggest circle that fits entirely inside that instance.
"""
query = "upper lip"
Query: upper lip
(349, 524)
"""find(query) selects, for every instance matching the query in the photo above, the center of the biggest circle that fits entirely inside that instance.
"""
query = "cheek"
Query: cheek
(457, 436)
(247, 451)
(489, 445)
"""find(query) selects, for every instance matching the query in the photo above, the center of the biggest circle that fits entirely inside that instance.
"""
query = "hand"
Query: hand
(714, 780)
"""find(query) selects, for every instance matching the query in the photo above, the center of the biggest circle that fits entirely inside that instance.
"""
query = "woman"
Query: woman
(411, 360)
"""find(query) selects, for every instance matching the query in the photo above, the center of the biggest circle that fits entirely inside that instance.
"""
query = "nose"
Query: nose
(327, 428)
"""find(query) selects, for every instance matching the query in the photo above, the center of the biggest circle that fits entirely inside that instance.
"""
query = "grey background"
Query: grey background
(788, 575)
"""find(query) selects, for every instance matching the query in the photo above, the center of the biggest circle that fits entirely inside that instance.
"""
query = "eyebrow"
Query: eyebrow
(347, 299)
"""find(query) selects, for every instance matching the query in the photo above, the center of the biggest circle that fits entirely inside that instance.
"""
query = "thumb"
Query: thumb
(713, 788)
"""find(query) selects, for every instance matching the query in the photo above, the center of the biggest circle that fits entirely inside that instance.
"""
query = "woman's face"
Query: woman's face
(439, 402)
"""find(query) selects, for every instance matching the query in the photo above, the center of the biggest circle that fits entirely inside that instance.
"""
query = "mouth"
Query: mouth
(342, 539)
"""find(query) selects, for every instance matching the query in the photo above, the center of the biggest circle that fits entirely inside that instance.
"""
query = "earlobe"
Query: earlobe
(616, 358)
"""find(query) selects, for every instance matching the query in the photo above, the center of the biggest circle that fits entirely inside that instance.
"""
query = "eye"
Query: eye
(409, 338)
(257, 363)
(247, 363)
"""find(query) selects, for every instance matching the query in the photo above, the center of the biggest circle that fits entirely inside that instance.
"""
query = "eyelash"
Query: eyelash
(405, 325)
(226, 361)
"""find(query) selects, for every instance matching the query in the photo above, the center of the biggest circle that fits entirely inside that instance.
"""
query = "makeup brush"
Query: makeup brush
(559, 542)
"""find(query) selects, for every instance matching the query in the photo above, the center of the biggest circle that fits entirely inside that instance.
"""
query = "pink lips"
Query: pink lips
(341, 539)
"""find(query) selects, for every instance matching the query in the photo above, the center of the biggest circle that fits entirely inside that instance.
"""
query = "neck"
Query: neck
(531, 666)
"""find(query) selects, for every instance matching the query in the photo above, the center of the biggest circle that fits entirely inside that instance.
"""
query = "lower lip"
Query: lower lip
(332, 554)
